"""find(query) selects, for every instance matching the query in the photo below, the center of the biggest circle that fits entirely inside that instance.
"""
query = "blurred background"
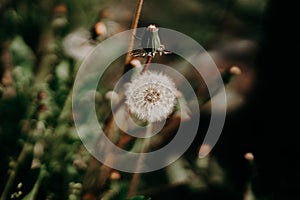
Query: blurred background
(42, 44)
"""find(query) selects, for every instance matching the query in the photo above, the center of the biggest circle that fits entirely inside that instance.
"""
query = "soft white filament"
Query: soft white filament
(151, 96)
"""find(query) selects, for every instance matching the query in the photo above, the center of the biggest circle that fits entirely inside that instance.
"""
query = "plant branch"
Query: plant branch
(136, 176)
(133, 27)
(146, 66)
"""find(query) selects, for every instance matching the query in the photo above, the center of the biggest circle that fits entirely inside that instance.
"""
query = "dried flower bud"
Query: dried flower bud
(60, 9)
(204, 150)
(151, 44)
(115, 175)
(136, 63)
(80, 164)
(151, 96)
(112, 96)
(100, 28)
(235, 70)
(249, 156)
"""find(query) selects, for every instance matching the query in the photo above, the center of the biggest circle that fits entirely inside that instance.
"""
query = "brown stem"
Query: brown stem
(149, 59)
(133, 27)
(136, 176)
(95, 167)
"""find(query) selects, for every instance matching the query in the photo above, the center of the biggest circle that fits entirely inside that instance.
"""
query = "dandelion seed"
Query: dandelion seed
(151, 96)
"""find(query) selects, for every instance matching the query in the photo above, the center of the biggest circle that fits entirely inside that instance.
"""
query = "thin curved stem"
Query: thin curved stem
(149, 59)
(136, 176)
(134, 26)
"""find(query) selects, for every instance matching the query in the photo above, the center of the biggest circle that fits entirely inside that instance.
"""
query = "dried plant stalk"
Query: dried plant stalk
(134, 26)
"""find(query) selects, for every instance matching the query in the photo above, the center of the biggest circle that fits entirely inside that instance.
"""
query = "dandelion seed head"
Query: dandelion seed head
(151, 96)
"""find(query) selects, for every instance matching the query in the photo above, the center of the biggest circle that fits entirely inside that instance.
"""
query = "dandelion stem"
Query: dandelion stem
(149, 58)
(136, 176)
(133, 27)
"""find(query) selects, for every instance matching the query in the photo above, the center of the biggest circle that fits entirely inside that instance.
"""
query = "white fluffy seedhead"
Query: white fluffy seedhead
(151, 96)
